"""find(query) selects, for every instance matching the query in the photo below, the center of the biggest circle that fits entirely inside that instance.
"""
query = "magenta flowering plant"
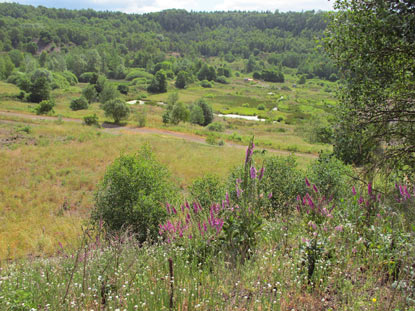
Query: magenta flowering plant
(315, 207)
(315, 247)
(230, 226)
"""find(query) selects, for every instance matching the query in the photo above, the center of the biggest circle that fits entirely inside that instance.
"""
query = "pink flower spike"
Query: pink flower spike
(174, 210)
(369, 188)
(253, 172)
(227, 199)
(261, 173)
(307, 182)
(354, 190)
(168, 208)
(315, 188)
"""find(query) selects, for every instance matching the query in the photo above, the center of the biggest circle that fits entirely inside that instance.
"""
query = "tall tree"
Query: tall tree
(373, 44)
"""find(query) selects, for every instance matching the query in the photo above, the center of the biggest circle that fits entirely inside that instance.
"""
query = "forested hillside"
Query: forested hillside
(111, 42)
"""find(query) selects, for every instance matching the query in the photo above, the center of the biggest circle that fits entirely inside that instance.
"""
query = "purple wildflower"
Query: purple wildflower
(249, 152)
(307, 182)
(315, 188)
(168, 208)
(261, 173)
(354, 190)
(253, 172)
(369, 188)
(270, 195)
(227, 199)
(339, 228)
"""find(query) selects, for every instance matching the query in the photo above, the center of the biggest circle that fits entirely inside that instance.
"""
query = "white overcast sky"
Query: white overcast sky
(144, 6)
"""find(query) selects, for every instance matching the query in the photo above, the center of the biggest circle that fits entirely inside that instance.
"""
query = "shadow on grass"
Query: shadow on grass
(111, 125)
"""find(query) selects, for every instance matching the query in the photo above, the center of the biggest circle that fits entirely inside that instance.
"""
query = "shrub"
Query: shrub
(91, 120)
(179, 113)
(90, 93)
(116, 109)
(88, 77)
(79, 104)
(182, 79)
(123, 89)
(222, 79)
(216, 127)
(207, 190)
(207, 111)
(302, 80)
(108, 92)
(39, 90)
(158, 83)
(261, 107)
(45, 107)
(132, 194)
(284, 180)
(205, 84)
(330, 176)
(196, 115)
(138, 73)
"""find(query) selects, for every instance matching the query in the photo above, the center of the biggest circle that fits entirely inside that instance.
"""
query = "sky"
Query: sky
(145, 6)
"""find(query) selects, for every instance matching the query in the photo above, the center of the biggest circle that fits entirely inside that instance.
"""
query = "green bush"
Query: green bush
(261, 107)
(91, 120)
(207, 111)
(207, 190)
(206, 84)
(216, 127)
(179, 113)
(116, 109)
(79, 104)
(132, 194)
(196, 115)
(284, 180)
(90, 93)
(330, 175)
(88, 77)
(222, 79)
(138, 73)
(44, 107)
(123, 89)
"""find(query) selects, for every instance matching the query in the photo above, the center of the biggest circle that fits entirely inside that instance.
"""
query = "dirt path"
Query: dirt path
(111, 128)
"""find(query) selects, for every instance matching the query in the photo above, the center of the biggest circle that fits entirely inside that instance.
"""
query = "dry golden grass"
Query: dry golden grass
(47, 189)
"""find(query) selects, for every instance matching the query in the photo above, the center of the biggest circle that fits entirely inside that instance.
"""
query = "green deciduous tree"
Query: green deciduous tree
(159, 83)
(90, 93)
(39, 89)
(373, 44)
(116, 109)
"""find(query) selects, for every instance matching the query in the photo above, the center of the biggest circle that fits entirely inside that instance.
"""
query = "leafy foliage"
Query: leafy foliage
(79, 103)
(132, 194)
(116, 109)
(373, 45)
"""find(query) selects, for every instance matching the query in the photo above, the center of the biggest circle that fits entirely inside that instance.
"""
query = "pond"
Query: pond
(237, 116)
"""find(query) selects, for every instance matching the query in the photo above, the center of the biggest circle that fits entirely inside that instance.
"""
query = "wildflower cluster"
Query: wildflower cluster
(193, 222)
(231, 225)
